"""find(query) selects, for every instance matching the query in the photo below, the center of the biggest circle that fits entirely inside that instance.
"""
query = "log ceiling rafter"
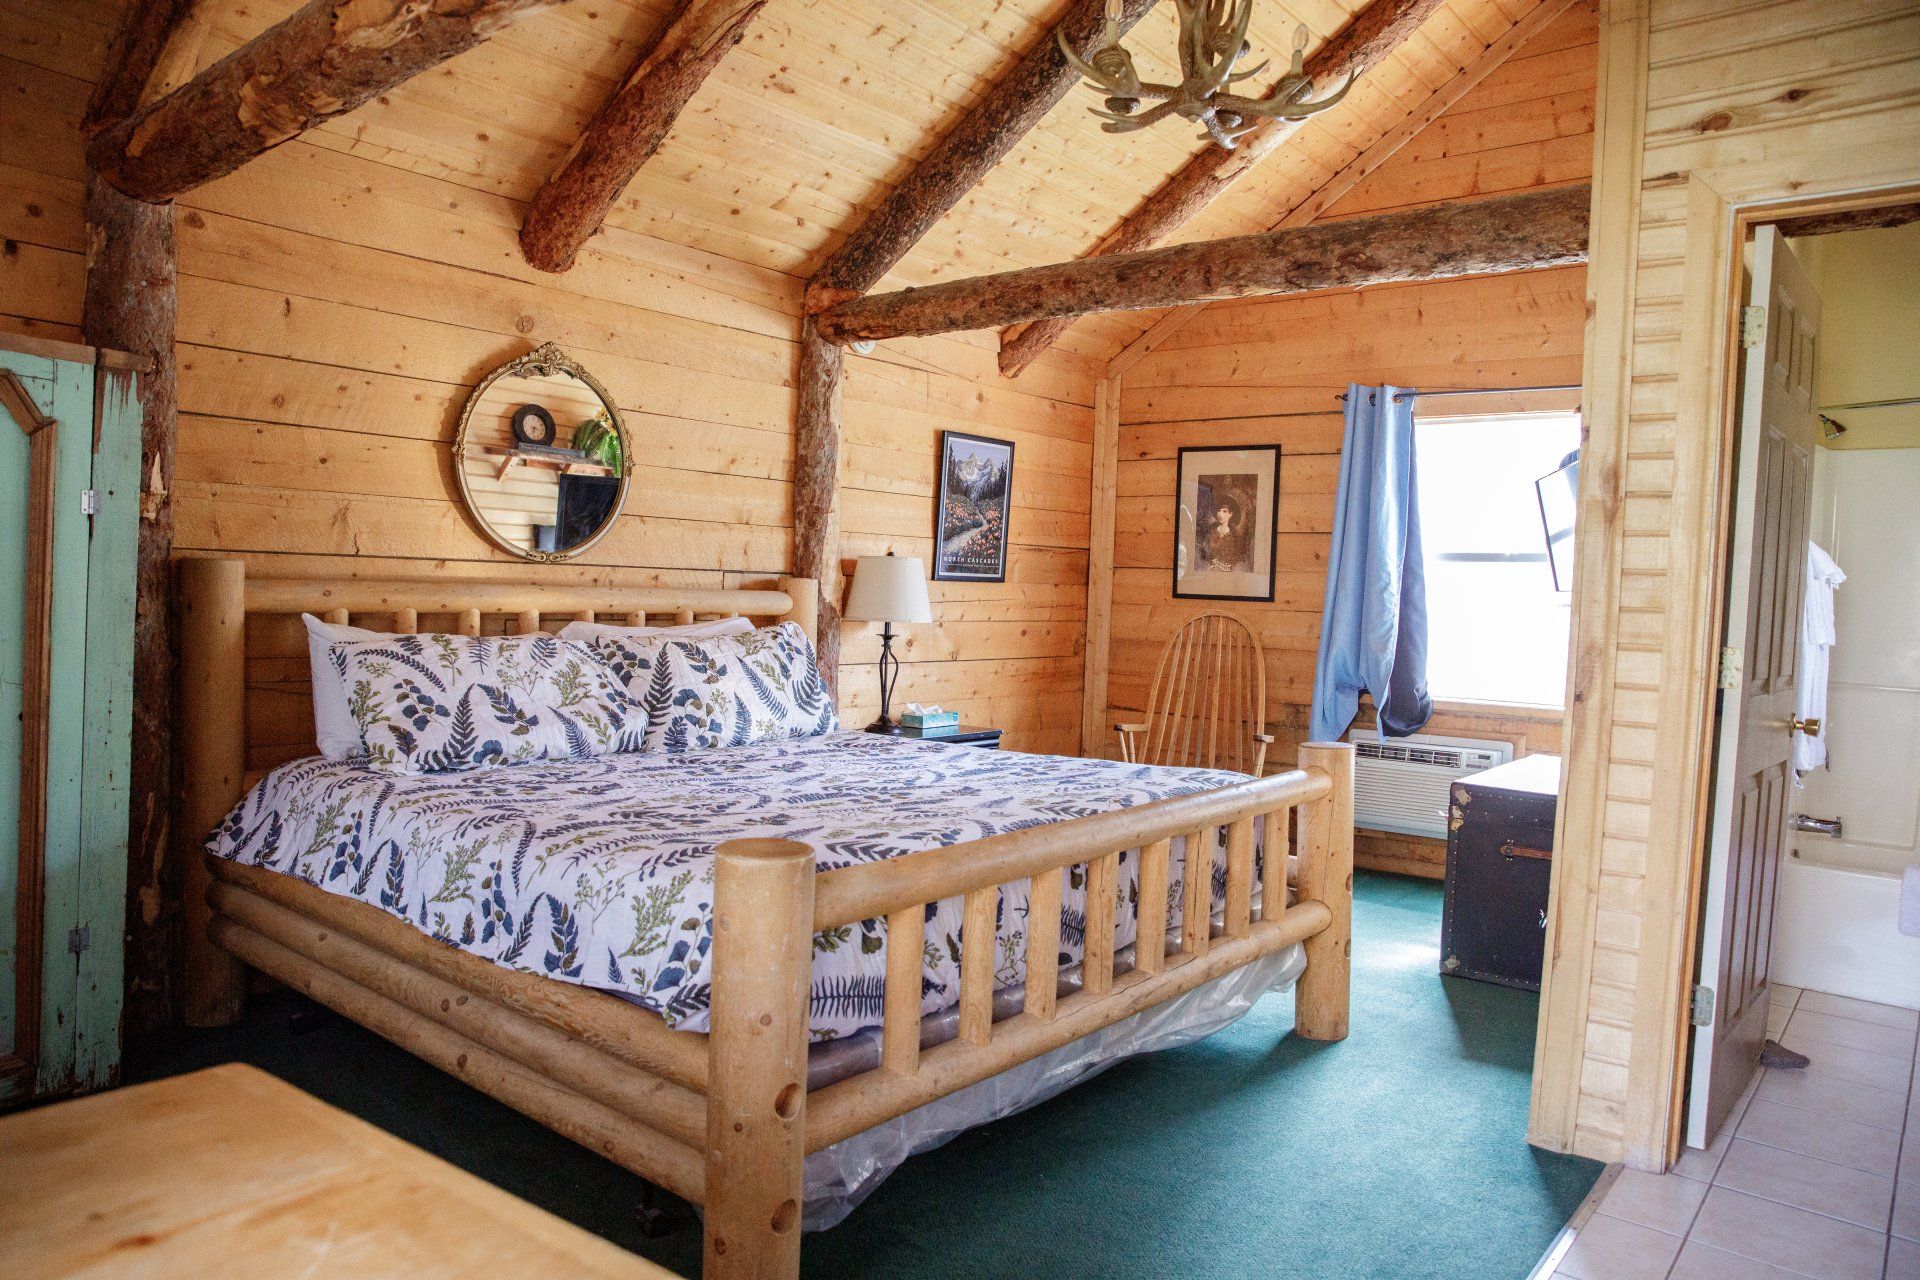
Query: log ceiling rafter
(1529, 231)
(1523, 31)
(1369, 38)
(136, 55)
(1006, 113)
(323, 61)
(629, 127)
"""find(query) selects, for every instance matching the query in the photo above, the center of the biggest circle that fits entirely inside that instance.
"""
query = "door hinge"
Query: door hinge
(1753, 326)
(79, 938)
(1702, 1014)
(1730, 665)
(89, 502)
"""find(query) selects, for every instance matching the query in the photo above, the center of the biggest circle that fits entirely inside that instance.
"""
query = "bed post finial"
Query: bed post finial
(805, 594)
(757, 1048)
(210, 697)
(1326, 875)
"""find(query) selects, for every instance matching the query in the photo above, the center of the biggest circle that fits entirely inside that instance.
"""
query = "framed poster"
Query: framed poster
(970, 520)
(1226, 517)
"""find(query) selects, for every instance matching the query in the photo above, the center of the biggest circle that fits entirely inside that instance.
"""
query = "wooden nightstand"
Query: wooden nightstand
(967, 735)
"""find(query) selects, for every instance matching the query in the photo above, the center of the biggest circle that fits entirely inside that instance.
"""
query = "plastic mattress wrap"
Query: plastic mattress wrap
(839, 1177)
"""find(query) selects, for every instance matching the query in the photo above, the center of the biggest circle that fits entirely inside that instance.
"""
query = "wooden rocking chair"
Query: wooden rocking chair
(1208, 705)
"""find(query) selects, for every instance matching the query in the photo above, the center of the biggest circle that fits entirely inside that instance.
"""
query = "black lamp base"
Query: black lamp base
(889, 676)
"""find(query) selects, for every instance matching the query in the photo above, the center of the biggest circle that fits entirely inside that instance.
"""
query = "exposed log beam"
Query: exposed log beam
(1826, 224)
(1357, 170)
(1006, 114)
(323, 61)
(1373, 34)
(1523, 232)
(136, 53)
(629, 128)
(816, 488)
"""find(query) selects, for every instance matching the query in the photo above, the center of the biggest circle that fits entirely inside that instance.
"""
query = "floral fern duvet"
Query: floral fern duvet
(600, 871)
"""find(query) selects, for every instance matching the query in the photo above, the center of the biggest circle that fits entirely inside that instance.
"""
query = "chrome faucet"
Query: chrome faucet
(1821, 826)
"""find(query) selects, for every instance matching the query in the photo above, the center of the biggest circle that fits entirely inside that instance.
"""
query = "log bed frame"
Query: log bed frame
(724, 1119)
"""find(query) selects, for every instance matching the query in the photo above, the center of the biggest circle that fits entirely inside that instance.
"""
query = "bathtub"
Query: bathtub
(1835, 928)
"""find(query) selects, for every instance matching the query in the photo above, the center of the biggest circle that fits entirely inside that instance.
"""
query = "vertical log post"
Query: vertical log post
(757, 1044)
(212, 698)
(1326, 875)
(816, 489)
(805, 594)
(131, 305)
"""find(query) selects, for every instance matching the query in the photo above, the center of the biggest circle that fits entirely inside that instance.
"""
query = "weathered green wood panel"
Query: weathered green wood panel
(72, 408)
(37, 376)
(98, 988)
(82, 911)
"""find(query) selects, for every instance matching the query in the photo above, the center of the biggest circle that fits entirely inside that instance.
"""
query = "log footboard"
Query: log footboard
(768, 905)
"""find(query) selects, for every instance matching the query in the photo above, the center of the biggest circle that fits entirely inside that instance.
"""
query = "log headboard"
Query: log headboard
(244, 700)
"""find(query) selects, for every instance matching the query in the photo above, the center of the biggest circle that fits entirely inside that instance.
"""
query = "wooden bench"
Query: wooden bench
(230, 1171)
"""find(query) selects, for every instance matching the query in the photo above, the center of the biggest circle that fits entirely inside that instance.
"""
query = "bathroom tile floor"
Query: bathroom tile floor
(1816, 1176)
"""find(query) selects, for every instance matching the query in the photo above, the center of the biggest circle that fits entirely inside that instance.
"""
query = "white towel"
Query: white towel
(1816, 638)
(1910, 902)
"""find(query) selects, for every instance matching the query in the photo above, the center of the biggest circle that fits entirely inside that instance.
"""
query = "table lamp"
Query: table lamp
(888, 589)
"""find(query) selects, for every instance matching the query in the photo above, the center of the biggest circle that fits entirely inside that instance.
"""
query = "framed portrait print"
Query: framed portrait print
(975, 500)
(1226, 517)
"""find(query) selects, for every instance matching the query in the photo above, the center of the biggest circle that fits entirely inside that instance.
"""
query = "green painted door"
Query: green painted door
(61, 923)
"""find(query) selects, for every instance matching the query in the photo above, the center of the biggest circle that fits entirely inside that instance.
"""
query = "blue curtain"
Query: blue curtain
(1373, 626)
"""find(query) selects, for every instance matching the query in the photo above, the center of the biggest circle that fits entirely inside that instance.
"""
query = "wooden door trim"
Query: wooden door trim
(1652, 1119)
(1710, 317)
(36, 680)
(1560, 1045)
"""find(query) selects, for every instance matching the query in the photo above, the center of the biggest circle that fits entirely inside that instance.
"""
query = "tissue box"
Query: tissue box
(930, 719)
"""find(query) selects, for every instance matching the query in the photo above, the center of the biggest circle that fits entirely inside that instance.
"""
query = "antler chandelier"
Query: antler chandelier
(1213, 39)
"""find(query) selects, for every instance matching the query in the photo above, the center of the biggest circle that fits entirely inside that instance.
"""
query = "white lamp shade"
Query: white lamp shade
(889, 589)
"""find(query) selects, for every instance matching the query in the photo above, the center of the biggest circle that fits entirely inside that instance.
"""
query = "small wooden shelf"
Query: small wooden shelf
(565, 466)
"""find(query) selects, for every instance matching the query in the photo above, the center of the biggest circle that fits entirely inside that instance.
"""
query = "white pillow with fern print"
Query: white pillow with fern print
(445, 704)
(724, 691)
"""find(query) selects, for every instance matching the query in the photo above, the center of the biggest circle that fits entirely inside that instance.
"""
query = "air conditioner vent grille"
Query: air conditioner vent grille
(1443, 757)
(1403, 784)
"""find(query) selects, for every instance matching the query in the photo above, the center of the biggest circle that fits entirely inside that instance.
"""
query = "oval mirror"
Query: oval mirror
(542, 457)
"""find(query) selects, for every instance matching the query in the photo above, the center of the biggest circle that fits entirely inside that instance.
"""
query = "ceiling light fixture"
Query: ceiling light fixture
(1213, 39)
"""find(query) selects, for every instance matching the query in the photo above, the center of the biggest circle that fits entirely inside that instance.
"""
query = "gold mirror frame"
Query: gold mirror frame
(545, 361)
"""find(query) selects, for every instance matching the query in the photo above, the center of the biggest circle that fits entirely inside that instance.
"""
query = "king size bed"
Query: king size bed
(684, 959)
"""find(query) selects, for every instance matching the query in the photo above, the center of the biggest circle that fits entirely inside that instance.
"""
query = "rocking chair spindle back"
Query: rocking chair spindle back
(1208, 704)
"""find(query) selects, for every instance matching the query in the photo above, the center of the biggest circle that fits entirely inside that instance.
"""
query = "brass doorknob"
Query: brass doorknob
(1809, 727)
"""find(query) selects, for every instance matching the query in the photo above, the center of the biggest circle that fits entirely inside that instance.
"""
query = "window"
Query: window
(1497, 625)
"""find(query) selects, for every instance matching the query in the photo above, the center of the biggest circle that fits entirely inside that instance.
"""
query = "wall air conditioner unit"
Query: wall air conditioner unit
(1401, 784)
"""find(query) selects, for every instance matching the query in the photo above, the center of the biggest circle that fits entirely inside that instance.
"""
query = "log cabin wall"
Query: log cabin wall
(340, 295)
(1704, 105)
(337, 303)
(1267, 372)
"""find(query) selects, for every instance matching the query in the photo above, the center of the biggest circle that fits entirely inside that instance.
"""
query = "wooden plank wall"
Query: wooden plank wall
(336, 308)
(1721, 102)
(1267, 372)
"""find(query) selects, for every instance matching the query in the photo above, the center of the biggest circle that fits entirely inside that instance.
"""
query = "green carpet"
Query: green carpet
(1399, 1152)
